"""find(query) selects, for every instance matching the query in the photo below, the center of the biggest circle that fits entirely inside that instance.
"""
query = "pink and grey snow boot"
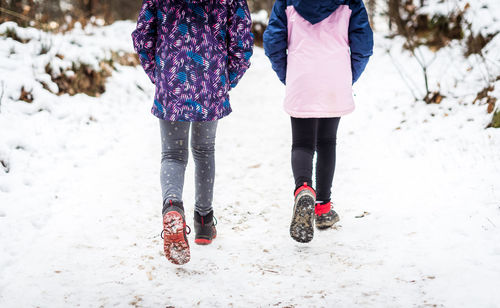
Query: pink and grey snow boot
(325, 216)
(175, 242)
(302, 225)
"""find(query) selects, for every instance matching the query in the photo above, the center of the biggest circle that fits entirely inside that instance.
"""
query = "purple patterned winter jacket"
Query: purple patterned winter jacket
(194, 51)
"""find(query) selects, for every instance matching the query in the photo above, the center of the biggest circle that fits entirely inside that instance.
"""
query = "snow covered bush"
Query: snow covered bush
(454, 45)
(60, 63)
(81, 78)
(422, 26)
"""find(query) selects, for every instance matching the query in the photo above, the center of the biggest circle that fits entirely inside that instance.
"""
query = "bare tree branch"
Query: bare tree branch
(12, 13)
(404, 76)
(1, 94)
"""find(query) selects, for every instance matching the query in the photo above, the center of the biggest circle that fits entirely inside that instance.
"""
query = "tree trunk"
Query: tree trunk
(372, 7)
(88, 7)
(52, 9)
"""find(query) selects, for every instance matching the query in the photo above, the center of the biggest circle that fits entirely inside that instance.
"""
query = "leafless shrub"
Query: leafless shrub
(422, 29)
(2, 90)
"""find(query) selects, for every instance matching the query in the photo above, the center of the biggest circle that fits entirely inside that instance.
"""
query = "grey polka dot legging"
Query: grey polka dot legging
(174, 158)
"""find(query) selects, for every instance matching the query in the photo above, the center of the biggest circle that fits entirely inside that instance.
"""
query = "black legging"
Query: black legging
(309, 136)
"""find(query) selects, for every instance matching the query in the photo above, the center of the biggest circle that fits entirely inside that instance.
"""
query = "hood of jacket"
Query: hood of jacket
(315, 11)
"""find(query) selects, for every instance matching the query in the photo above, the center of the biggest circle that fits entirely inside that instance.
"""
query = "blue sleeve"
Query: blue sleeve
(240, 43)
(276, 39)
(360, 38)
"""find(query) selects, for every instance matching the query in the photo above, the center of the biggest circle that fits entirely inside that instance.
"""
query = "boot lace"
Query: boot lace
(187, 230)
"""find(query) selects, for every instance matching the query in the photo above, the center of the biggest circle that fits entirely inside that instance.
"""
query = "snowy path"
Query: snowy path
(79, 224)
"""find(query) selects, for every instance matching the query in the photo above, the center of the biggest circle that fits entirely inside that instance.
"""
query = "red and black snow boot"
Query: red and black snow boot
(204, 228)
(325, 216)
(175, 242)
(302, 225)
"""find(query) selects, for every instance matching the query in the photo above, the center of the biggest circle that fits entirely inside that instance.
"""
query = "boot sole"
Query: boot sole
(302, 225)
(175, 243)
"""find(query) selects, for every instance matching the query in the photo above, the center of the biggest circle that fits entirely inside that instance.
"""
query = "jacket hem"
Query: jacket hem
(314, 114)
(167, 117)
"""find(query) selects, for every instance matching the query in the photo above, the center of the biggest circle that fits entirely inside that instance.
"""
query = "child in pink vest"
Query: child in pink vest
(318, 49)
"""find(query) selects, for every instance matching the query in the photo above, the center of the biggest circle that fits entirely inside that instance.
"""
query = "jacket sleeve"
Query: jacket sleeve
(240, 40)
(276, 39)
(360, 38)
(144, 37)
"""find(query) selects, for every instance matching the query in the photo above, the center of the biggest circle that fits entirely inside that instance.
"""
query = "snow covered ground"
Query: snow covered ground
(417, 188)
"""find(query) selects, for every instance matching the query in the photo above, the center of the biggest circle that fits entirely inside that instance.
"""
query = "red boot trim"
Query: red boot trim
(305, 186)
(202, 241)
(320, 209)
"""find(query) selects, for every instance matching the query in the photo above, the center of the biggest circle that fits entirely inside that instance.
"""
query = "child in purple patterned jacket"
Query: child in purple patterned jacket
(194, 51)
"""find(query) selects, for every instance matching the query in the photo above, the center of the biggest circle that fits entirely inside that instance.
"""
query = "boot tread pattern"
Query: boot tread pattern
(175, 243)
(302, 226)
